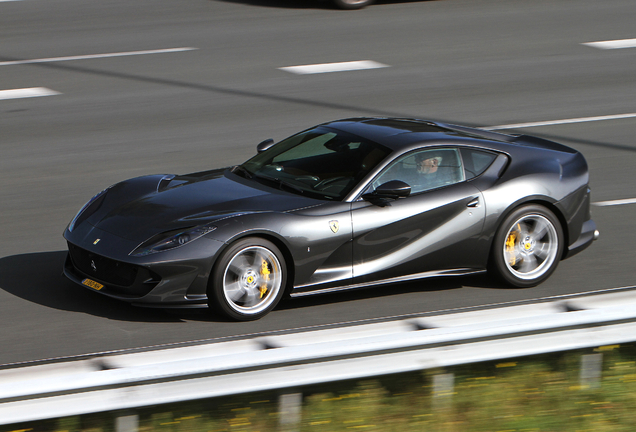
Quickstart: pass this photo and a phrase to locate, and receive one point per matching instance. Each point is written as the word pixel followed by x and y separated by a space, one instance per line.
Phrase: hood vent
pixel 165 182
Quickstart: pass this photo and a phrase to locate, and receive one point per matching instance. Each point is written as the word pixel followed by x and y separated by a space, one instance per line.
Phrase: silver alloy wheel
pixel 252 280
pixel 531 246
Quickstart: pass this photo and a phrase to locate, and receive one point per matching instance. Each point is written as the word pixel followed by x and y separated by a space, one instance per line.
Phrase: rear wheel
pixel 527 246
pixel 352 4
pixel 248 280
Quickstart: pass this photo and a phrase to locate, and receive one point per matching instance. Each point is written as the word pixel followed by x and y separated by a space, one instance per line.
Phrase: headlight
pixel 88 209
pixel 171 239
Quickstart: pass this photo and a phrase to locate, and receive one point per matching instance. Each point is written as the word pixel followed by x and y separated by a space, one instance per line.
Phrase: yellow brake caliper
pixel 510 248
pixel 264 277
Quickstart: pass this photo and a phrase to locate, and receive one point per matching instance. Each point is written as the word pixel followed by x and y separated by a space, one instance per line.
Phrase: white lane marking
pixel 96 56
pixel 613 44
pixel 334 67
pixel 27 93
pixel 615 202
pixel 558 122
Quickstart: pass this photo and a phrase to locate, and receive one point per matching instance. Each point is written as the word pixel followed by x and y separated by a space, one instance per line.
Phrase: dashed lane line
pixel 612 44
pixel 27 93
pixel 95 56
pixel 333 67
pixel 559 122
pixel 615 202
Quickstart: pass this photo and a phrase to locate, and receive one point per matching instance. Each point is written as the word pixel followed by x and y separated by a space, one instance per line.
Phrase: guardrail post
pixel 443 387
pixel 290 411
pixel 591 369
pixel 127 423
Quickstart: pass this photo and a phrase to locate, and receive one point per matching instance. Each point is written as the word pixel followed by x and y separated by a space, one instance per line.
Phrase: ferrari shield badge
pixel 334 225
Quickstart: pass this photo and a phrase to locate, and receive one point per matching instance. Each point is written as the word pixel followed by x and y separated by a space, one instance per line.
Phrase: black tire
pixel 248 280
pixel 352 4
pixel 527 247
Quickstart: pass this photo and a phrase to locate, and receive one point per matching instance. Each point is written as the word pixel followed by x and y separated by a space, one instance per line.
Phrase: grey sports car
pixel 345 204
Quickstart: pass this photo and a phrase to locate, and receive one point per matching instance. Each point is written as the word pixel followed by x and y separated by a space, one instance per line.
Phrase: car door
pixel 436 228
pixel 319 239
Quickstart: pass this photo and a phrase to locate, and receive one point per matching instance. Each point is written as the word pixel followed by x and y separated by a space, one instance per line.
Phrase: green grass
pixel 540 393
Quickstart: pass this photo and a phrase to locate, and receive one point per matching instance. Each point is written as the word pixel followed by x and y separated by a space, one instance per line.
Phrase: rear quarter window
pixel 476 161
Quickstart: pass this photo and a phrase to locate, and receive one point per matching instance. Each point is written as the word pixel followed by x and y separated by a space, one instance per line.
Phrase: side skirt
pixel 308 290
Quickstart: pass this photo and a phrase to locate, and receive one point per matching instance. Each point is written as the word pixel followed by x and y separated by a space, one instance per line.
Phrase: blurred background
pixel 120 89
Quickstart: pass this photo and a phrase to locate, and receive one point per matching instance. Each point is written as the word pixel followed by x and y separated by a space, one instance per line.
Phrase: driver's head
pixel 427 163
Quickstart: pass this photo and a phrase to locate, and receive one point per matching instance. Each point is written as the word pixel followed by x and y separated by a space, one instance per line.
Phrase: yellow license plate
pixel 92 284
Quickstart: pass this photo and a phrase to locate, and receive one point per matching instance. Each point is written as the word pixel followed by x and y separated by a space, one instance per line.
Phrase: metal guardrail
pixel 128 381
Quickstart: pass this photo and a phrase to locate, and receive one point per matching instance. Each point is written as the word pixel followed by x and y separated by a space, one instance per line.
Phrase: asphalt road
pixel 474 62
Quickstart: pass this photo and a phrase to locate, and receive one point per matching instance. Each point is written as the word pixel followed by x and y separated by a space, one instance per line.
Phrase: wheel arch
pixel 541 201
pixel 277 240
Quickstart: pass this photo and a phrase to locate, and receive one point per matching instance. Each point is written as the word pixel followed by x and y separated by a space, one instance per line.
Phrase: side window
pixel 476 161
pixel 425 169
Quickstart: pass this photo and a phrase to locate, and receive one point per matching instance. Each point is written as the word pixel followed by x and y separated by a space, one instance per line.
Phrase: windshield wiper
pixel 280 183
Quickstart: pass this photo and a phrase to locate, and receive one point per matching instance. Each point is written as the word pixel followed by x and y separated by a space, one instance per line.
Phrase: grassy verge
pixel 540 393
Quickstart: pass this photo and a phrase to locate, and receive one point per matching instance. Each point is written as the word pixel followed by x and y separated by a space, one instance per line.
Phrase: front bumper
pixel 174 282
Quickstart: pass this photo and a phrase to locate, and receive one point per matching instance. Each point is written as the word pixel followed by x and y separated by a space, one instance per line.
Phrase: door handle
pixel 474 203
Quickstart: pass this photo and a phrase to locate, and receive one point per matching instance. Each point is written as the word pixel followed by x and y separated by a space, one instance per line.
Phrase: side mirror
pixel 393 189
pixel 264 145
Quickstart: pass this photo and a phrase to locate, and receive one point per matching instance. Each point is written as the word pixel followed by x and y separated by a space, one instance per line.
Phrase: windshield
pixel 321 162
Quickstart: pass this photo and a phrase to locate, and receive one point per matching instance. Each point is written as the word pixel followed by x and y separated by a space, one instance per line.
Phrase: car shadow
pixel 37 278
pixel 304 4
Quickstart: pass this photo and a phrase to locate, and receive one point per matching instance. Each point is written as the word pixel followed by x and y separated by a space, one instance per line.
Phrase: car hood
pixel 140 208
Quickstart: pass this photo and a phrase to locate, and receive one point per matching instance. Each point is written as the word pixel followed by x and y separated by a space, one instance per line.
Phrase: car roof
pixel 400 133
pixel 397 133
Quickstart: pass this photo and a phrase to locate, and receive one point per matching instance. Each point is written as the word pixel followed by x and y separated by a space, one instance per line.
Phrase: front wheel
pixel 248 280
pixel 527 246
pixel 352 4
